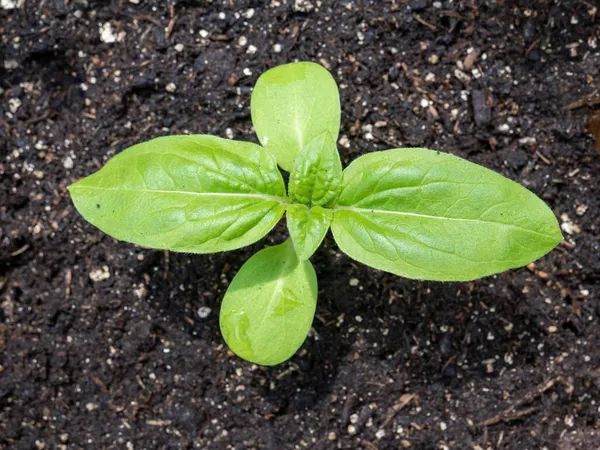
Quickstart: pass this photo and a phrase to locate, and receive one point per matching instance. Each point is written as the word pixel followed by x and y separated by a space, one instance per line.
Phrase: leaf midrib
pixel 427 216
pixel 199 194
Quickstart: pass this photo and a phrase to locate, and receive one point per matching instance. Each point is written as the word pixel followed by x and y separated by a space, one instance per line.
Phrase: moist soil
pixel 101 342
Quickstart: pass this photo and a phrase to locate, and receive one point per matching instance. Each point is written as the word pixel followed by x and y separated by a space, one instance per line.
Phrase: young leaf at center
pixel 307 227
pixel 316 178
pixel 269 306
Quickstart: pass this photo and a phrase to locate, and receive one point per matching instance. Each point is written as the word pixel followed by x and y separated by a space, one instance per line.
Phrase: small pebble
pixel 247 72
pixel 171 87
pixel 249 14
pixel 204 312
pixel 251 49
pixel 100 274
pixel 242 41
pixel 203 33
pixel 380 434
pixel 8 4
pixel 277 48
pixel 443 426
pixel 353 282
pixel 481 108
pixel 179 48
pixel 68 163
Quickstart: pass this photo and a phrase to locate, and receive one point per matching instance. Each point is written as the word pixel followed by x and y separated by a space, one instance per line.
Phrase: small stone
pixel 14 104
pixel 91 406
pixel 100 274
pixel 204 312
pixel 380 124
pixel 251 50
pixel 179 48
pixel 68 163
pixel 331 436
pixel 11 64
pixel 552 329
pixel 8 4
pixel 433 59
pixel 424 103
pixel 353 282
pixel 277 48
pixel 344 141
pixel 222 16
pixel 108 35
pixel 203 34
pixel 443 426
pixel 481 108
pixel 351 429
pixel 171 87
pixel 242 41
pixel 380 434
pixel 581 209
pixel 247 72
pixel 249 14
pixel 303 6
pixel 140 291
pixel 430 77
pixel 64 438
pixel 568 226
pixel 39 174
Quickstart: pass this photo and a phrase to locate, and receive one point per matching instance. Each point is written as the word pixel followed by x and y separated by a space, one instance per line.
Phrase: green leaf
pixel 428 215
pixel 316 178
pixel 269 306
pixel 197 194
pixel 307 228
pixel 291 105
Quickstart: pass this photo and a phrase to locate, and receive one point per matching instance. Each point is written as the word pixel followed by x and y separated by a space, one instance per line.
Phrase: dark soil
pixel 125 361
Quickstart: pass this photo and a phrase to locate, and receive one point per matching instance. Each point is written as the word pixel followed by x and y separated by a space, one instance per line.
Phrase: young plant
pixel 417 213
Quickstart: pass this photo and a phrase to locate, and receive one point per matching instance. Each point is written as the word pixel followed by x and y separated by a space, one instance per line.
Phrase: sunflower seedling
pixel 414 212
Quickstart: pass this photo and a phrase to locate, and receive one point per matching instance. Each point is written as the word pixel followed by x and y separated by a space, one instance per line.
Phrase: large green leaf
pixel 198 194
pixel 291 105
pixel 316 178
pixel 307 227
pixel 269 306
pixel 428 215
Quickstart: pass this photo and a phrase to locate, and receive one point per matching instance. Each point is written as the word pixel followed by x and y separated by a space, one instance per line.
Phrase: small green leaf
pixel 307 228
pixel 197 194
pixel 291 105
pixel 269 306
pixel 429 215
pixel 316 178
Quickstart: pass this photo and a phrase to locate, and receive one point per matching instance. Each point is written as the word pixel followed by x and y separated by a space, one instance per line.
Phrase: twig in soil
pixel 394 410
pixel 68 278
pixel 424 22
pixel 510 414
pixel 166 265
pixel 587 100
pixel 508 417
pixel 543 158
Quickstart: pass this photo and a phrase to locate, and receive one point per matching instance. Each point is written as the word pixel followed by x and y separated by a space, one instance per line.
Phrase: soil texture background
pixel 105 345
